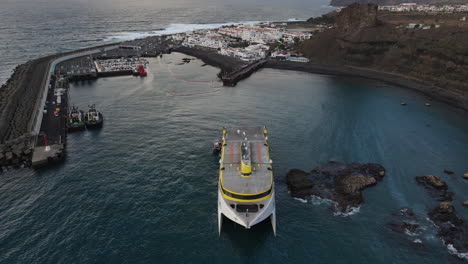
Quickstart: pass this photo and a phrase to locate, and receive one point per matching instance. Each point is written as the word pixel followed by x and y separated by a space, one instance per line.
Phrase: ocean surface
pixel 143 189
pixel 31 29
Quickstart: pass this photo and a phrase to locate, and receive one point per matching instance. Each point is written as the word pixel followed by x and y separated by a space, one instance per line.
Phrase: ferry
pixel 246 189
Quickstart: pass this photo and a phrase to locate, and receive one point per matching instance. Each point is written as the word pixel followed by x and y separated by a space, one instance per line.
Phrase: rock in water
pixel 436 187
pixel 404 225
pixel 299 184
pixel 465 176
pixel 452 229
pixel 336 181
pixel 448 172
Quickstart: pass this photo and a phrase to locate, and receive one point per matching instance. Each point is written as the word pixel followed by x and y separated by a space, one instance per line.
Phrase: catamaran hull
pixel 246 219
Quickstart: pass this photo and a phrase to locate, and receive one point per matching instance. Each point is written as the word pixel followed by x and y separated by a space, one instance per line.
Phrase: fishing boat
pixel 75 120
pixel 246 193
pixel 93 118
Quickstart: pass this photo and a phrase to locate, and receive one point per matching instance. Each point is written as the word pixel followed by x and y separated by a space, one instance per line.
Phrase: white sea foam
pixel 300 200
pixel 172 29
pixel 454 251
pixel 409 233
pixel 294 20
pixel 417 241
pixel 348 212
pixel 318 200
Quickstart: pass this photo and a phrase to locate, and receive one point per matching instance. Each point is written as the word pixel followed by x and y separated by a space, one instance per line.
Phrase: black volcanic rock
pixel 452 229
pixel 406 227
pixel 336 181
pixel 299 183
pixel 404 220
pixel 450 172
pixel 436 187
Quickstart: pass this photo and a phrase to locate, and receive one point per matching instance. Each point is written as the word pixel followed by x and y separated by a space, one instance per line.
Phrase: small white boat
pixel 246 192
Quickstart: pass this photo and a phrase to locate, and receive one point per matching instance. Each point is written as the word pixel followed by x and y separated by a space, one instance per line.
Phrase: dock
pixel 232 78
pixel 50 143
pixel 81 68
pixel 118 67
pixel 49 124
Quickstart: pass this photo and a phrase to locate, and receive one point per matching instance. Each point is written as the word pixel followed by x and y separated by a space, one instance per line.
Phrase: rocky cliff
pixel 364 38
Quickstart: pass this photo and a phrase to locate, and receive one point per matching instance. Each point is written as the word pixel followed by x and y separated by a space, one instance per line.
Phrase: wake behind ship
pixel 245 189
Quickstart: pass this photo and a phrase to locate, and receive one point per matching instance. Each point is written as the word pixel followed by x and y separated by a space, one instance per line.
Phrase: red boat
pixel 141 70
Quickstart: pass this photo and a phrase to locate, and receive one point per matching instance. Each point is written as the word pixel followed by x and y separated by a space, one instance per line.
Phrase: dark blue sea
pixel 143 188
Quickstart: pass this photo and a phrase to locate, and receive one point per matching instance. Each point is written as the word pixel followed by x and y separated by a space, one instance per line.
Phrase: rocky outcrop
pixel 452 229
pixel 449 172
pixel 336 181
pixel 405 225
pixel 364 38
pixel 436 187
pixel 361 16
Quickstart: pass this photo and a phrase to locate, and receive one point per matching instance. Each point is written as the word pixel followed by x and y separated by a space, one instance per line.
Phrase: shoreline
pixel 433 92
pixel 20 94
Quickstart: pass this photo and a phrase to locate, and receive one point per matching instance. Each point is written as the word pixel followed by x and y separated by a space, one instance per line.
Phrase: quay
pixel 50 119
pixel 49 129
pixel 77 69
pixel 232 78
pixel 50 143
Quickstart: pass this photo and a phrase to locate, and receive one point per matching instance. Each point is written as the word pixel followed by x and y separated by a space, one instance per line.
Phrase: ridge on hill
pixel 363 37
pixel 397 2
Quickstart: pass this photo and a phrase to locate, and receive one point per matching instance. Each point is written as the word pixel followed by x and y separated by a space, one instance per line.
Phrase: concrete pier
pixel 234 77
pixel 44 156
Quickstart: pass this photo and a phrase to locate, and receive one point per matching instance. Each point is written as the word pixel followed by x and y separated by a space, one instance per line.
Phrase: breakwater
pixel 23 104
pixel 232 78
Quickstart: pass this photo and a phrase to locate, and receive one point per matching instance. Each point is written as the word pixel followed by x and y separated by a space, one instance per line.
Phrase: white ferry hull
pixel 247 219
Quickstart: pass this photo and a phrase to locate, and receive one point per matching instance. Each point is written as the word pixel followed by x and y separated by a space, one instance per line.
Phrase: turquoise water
pixel 143 188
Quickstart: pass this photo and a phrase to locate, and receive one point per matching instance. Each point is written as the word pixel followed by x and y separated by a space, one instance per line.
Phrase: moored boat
pixel 93 118
pixel 75 120
pixel 246 188
pixel 141 70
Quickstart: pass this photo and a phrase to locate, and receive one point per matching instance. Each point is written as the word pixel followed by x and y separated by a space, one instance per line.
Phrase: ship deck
pixel 262 178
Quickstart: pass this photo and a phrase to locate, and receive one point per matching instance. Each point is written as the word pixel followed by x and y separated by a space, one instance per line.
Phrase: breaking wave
pixel 452 250
pixel 348 212
pixel 300 200
pixel 171 29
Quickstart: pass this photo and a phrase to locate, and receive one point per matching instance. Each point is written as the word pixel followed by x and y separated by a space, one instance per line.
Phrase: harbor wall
pixel 22 100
